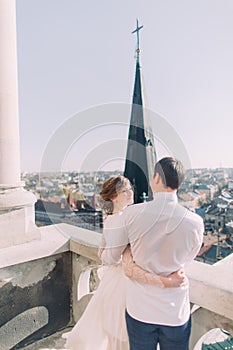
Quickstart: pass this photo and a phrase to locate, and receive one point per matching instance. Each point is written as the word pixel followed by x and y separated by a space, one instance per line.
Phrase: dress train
pixel 103 326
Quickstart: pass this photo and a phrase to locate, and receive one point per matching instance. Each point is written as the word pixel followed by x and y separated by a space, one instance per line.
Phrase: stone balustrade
pixel 39 286
pixel 211 288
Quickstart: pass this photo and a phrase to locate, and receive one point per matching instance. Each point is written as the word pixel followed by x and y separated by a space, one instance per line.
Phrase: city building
pixel 40 268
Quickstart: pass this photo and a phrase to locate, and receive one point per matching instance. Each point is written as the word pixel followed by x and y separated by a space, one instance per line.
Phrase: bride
pixel 102 326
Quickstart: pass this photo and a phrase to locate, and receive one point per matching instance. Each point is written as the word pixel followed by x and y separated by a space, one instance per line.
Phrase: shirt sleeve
pixel 116 239
pixel 197 239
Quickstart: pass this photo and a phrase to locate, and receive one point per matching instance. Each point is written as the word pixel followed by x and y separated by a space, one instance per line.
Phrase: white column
pixel 9 125
pixel 16 205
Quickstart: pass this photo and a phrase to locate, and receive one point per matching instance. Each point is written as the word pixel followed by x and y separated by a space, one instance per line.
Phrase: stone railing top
pixel 211 286
pixel 84 242
pixel 54 239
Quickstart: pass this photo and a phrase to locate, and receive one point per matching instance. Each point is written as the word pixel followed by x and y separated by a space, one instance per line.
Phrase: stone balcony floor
pixel 53 342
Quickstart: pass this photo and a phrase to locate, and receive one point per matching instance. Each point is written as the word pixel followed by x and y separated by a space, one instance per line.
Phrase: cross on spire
pixel 137 31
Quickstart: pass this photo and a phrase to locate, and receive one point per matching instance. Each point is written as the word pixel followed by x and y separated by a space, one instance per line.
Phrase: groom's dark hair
pixel 171 171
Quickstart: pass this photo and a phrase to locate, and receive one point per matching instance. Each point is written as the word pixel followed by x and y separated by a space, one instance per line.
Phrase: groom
pixel 164 236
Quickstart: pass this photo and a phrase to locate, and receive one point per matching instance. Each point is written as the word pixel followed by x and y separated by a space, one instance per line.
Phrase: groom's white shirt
pixel 164 237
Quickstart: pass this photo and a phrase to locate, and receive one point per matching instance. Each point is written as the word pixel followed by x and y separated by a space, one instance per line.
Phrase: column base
pixel 17 216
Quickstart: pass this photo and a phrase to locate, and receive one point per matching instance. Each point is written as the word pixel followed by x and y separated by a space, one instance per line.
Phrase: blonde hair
pixel 110 190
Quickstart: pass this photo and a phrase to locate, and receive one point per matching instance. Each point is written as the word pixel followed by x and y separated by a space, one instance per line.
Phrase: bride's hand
pixel 175 279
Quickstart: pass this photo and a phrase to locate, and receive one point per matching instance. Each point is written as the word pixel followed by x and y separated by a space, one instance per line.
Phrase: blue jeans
pixel 146 336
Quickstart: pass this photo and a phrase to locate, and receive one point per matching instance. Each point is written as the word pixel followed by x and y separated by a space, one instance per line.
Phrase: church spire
pixel 141 156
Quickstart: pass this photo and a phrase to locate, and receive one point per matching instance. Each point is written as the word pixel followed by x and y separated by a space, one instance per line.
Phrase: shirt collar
pixel 169 196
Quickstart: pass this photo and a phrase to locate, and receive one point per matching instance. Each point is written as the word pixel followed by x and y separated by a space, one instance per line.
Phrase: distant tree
pixel 201 202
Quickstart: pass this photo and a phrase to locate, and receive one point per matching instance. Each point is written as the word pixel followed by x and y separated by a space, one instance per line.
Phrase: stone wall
pixel 35 299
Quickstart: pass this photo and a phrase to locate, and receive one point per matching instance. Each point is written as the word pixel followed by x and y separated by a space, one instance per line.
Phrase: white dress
pixel 103 326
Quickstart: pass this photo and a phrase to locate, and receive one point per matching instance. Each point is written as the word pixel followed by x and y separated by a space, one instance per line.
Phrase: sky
pixel 76 59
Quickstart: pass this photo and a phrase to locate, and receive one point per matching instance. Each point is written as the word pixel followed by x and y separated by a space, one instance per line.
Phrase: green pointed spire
pixel 141 155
